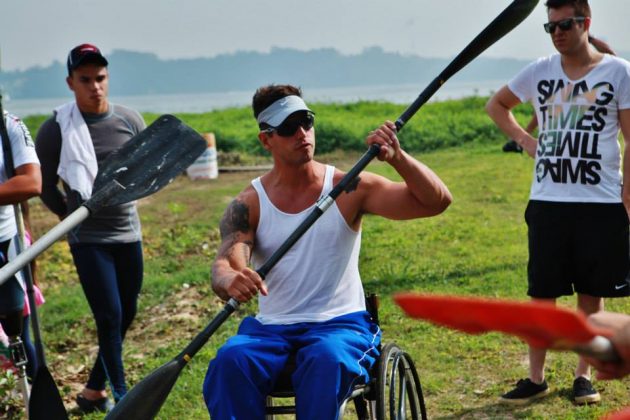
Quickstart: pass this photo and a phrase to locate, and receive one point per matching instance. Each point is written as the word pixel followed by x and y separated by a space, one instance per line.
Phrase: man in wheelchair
pixel 311 303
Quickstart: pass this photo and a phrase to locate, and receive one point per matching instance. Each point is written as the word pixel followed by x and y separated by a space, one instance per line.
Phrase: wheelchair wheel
pixel 398 387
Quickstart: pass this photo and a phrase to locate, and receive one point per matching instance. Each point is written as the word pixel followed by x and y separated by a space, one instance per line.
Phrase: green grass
pixel 344 126
pixel 477 247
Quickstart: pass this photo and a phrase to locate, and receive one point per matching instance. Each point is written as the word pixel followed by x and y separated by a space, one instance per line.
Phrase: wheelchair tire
pixel 399 393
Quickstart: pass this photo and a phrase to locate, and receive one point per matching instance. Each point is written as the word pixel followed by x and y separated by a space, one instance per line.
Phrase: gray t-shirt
pixel 109 131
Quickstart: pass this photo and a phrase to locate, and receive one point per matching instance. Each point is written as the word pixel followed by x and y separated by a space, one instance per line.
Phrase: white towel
pixel 77 161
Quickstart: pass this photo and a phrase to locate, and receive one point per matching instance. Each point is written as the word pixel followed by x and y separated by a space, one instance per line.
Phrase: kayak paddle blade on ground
pixel 146 398
pixel 540 324
pixel 45 402
pixel 143 165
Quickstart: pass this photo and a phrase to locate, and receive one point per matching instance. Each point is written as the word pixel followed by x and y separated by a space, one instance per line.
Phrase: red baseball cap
pixel 85 53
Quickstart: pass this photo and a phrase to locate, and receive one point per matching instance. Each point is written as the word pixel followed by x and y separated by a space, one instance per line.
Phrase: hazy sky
pixel 37 32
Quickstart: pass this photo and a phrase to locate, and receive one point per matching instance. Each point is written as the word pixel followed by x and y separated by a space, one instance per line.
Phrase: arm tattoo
pixel 235 222
pixel 236 250
pixel 235 219
pixel 352 186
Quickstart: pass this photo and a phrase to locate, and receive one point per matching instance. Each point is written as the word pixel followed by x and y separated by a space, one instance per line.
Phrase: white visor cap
pixel 278 111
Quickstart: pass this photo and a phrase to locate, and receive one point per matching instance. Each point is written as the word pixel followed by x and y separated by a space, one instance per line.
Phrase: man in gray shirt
pixel 106 248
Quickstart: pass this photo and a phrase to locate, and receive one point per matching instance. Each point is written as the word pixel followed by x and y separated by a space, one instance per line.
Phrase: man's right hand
pixel 619 324
pixel 529 144
pixel 245 285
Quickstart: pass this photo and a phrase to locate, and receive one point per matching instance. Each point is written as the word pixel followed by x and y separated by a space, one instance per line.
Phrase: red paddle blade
pixel 623 414
pixel 540 324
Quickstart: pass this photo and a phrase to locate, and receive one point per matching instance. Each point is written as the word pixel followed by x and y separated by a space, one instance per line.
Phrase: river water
pixel 203 102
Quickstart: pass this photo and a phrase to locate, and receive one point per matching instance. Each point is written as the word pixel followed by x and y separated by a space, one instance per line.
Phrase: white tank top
pixel 318 278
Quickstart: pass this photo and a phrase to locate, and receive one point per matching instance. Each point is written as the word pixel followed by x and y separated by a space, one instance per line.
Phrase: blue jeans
pixel 331 357
pixel 111 277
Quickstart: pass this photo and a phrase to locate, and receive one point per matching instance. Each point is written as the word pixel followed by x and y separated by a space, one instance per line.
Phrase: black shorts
pixel 577 247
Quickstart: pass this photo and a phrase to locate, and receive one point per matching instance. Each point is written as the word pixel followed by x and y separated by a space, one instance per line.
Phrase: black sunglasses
pixel 291 125
pixel 564 24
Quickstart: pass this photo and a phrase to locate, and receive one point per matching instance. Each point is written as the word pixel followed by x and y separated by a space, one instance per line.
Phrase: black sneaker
pixel 525 392
pixel 512 146
pixel 103 405
pixel 583 392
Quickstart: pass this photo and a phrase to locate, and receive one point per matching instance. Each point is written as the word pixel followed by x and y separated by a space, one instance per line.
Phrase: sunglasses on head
pixel 564 24
pixel 291 125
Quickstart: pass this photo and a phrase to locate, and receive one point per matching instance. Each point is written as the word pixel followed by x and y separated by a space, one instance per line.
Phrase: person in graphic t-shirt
pixel 511 145
pixel 577 215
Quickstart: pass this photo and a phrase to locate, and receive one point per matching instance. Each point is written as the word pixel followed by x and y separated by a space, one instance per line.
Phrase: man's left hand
pixel 385 136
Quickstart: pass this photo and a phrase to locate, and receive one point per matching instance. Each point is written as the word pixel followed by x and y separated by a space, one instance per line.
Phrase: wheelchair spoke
pixel 393 382
pixel 399 393
pixel 402 395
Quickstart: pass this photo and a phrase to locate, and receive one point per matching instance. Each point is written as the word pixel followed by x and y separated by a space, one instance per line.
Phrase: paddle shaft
pixel 511 16
pixel 30 291
pixel 51 405
pixel 600 348
pixel 506 21
pixel 321 206
pixel 135 400
pixel 58 231
pixel 142 166
pixel 9 167
pixel 502 24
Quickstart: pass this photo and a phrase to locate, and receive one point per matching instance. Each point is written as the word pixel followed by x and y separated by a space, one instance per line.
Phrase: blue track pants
pixel 111 277
pixel 331 357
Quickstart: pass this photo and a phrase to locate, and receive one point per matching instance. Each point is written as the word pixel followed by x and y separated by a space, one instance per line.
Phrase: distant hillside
pixel 134 73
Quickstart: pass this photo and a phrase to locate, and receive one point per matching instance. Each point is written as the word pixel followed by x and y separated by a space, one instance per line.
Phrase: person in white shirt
pixel 577 215
pixel 26 183
pixel 311 303
pixel 601 46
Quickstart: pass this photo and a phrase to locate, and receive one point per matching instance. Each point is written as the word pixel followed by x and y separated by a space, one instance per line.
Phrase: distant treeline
pixel 344 126
pixel 135 73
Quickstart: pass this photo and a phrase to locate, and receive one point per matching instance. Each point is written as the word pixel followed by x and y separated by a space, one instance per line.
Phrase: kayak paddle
pixel 142 166
pixel 146 398
pixel 145 164
pixel 540 324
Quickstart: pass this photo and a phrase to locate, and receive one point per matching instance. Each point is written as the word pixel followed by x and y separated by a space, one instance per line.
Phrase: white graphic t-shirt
pixel 578 156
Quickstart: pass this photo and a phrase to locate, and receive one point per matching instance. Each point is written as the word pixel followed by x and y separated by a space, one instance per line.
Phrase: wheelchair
pixel 393 391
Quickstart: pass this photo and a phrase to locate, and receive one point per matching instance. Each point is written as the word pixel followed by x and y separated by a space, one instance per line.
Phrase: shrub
pixel 344 126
